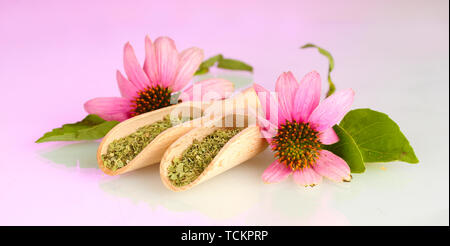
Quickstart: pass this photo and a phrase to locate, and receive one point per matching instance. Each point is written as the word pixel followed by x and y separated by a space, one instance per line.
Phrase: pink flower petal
pixel 109 108
pixel 268 103
pixel 267 129
pixel 331 110
pixel 127 89
pixel 267 135
pixel 276 172
pixel 332 167
pixel 286 86
pixel 307 96
pixel 150 64
pixel 206 90
pixel 307 177
pixel 328 136
pixel 167 60
pixel 190 60
pixel 133 70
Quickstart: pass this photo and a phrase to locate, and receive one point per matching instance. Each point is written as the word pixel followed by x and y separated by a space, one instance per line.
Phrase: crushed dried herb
pixel 121 151
pixel 197 157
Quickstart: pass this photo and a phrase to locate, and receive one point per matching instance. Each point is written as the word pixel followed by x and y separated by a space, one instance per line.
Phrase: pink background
pixel 55 55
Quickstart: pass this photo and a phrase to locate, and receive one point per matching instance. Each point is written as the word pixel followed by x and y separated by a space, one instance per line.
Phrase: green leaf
pixel 348 150
pixel 378 137
pixel 204 66
pixel 332 87
pixel 224 63
pixel 211 61
pixel 201 70
pixel 90 128
pixel 234 65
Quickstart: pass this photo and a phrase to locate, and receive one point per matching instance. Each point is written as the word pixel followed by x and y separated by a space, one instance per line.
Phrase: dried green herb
pixel 197 157
pixel 121 151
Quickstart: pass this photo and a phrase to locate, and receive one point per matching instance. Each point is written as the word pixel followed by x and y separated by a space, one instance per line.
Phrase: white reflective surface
pixel 394 54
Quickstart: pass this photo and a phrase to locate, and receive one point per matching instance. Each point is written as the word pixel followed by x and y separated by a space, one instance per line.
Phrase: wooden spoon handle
pixel 239 104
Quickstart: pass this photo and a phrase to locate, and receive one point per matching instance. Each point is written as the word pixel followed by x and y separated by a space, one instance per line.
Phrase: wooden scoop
pixel 154 151
pixel 237 150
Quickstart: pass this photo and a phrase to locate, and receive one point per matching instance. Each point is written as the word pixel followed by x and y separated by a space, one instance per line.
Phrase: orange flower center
pixel 152 98
pixel 296 145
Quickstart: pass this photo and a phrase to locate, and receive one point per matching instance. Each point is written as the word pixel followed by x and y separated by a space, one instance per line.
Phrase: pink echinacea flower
pixel 165 72
pixel 299 129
